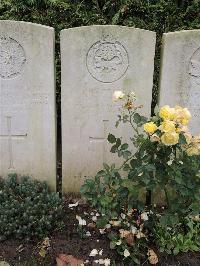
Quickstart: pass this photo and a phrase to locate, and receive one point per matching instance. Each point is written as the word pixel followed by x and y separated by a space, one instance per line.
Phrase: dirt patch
pixel 67 239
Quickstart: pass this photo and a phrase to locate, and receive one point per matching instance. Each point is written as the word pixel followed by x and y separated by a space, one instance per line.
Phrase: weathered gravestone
pixel 96 61
pixel 27 101
pixel 180 73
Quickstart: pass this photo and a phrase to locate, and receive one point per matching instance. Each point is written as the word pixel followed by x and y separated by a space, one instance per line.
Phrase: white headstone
pixel 96 61
pixel 27 101
pixel 180 73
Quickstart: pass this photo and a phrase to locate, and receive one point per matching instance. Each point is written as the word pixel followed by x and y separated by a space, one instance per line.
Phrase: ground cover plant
pixel 166 159
pixel 27 208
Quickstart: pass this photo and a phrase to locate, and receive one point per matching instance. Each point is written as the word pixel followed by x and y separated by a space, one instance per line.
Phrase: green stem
pixel 125 162
pixel 167 197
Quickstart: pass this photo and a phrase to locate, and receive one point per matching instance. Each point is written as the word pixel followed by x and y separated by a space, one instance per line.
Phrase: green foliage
pixel 181 238
pixel 27 208
pixel 109 193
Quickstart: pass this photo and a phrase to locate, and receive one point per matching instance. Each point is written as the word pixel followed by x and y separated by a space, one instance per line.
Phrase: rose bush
pixel 161 158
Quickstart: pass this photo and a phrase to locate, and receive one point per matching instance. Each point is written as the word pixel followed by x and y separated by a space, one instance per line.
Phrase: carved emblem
pixel 194 66
pixel 12 57
pixel 107 60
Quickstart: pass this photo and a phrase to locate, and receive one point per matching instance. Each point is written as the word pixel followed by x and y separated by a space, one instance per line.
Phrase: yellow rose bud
pixel 193 151
pixel 166 113
pixel 167 126
pixel 150 127
pixel 170 138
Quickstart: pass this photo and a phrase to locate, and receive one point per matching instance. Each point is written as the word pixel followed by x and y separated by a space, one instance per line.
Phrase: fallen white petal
pixel 88 233
pixel 126 253
pixel 101 252
pixel 94 218
pixel 107 262
pixel 73 205
pixel 93 253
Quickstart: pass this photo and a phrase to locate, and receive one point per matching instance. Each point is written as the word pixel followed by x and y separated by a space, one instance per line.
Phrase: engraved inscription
pixel 9 136
pixel 12 57
pixel 107 60
pixel 28 99
pixel 194 66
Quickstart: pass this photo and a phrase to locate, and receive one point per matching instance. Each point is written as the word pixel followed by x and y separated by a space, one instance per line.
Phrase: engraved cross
pixel 102 139
pixel 9 136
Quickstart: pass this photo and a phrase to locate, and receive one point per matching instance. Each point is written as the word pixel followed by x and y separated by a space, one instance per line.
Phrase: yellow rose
pixel 118 95
pixel 166 112
pixel 170 138
pixel 150 127
pixel 182 115
pixel 167 126
pixel 193 151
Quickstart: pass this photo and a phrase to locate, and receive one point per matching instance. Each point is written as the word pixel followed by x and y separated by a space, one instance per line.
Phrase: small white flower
pixel 118 95
pixel 126 253
pixel 73 205
pixel 93 253
pixel 92 213
pixel 140 174
pixel 88 233
pixel 97 240
pixel 97 214
pixel 180 162
pixel 87 261
pixel 144 216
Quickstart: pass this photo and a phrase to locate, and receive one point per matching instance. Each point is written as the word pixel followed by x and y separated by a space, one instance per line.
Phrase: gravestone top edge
pixel 180 33
pixel 106 26
pixel 25 23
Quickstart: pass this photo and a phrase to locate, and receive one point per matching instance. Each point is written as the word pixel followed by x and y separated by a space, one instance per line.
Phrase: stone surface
pixel 96 61
pixel 180 73
pixel 27 101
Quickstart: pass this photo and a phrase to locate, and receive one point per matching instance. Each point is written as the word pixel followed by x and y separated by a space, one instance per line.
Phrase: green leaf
pixel 124 146
pixel 106 166
pixel 111 138
pixel 118 142
pixel 101 222
pixel 137 118
pixel 114 149
pixel 182 139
